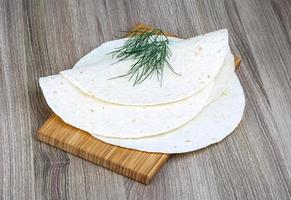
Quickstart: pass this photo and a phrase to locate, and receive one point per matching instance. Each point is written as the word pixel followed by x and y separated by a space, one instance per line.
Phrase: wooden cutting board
pixel 137 165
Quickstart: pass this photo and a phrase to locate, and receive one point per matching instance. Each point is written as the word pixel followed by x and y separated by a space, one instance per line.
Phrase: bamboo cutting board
pixel 137 165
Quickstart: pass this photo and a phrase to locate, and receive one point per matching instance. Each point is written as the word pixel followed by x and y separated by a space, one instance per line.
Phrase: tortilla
pixel 92 115
pixel 197 60
pixel 99 117
pixel 112 120
pixel 210 126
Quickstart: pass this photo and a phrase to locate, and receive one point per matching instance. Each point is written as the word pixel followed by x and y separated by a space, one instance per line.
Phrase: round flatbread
pixel 92 115
pixel 210 126
pixel 197 61
pixel 112 120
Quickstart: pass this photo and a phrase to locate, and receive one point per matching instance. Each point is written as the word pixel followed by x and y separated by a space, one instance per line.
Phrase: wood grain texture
pixel 137 165
pixel 43 37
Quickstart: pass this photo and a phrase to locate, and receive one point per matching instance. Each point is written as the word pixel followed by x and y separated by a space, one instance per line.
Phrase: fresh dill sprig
pixel 150 52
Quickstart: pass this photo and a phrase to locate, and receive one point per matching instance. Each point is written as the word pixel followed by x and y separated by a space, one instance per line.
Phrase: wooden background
pixel 39 38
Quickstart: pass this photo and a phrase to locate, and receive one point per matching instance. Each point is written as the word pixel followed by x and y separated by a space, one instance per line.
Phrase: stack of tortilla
pixel 199 105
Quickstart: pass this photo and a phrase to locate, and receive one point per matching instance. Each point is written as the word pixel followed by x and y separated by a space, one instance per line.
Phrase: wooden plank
pixel 16 143
pixel 138 165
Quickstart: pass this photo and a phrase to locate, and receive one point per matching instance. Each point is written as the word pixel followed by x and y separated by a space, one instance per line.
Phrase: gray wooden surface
pixel 43 37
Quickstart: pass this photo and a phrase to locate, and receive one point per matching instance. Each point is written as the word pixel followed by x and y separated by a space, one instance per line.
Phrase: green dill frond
pixel 150 52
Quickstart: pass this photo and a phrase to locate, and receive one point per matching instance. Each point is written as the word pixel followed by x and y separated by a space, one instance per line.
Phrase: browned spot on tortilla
pixel 237 61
